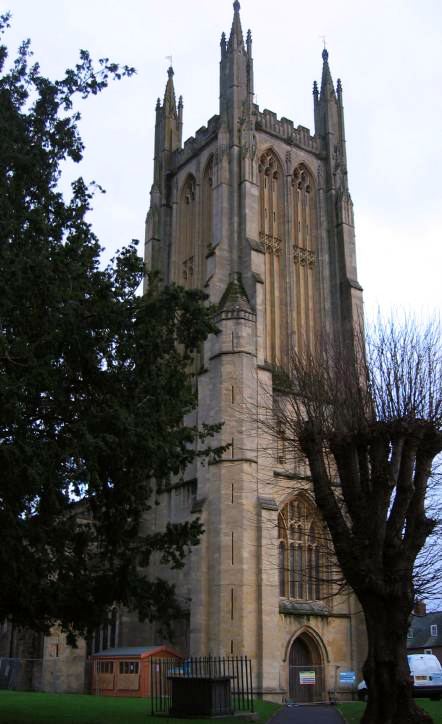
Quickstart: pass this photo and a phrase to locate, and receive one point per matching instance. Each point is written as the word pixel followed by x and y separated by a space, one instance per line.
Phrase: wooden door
pixel 306 671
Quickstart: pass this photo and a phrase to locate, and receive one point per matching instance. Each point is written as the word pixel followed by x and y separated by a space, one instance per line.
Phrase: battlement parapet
pixel 193 144
pixel 284 128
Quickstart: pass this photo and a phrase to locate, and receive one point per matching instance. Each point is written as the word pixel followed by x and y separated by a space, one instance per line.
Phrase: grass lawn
pixel 35 708
pixel 352 712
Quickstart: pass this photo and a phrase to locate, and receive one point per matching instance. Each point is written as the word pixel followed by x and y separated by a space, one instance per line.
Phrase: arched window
pixel 113 628
pixel 271 234
pixel 303 551
pixel 304 255
pixel 106 636
pixel 186 242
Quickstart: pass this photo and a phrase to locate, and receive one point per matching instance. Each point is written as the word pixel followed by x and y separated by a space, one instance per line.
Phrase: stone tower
pixel 258 213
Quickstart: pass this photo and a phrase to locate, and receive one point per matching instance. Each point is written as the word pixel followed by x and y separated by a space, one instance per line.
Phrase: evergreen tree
pixel 94 381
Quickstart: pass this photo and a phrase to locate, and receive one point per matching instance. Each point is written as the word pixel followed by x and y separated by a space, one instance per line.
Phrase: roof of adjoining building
pixel 421 628
pixel 133 651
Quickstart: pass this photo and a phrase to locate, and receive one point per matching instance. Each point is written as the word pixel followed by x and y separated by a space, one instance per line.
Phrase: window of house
pixel 433 629
pixel 129 667
pixel 428 651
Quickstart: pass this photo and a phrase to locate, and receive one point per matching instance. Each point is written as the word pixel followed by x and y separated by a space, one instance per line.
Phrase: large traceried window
pixel 303 552
pixel 305 244
pixel 186 262
pixel 271 234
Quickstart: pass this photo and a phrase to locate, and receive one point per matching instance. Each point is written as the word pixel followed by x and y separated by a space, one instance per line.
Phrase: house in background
pixel 425 632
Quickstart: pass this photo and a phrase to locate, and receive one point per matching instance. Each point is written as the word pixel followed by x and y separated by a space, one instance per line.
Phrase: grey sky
pixel 387 54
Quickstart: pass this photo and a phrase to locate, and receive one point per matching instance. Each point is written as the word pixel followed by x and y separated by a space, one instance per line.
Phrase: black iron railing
pixel 234 672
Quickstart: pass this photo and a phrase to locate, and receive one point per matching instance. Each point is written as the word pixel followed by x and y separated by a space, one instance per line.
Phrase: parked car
pixel 426 674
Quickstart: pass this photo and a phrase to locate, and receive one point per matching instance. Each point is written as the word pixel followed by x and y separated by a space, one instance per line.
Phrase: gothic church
pixel 257 212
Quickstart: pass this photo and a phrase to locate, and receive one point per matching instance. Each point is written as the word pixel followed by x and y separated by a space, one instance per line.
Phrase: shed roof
pixel 134 651
pixel 421 629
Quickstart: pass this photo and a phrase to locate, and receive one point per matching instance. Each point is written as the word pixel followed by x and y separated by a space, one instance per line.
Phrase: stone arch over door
pixel 305 657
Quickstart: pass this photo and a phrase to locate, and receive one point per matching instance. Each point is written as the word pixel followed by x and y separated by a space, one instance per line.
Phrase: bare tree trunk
pixel 386 670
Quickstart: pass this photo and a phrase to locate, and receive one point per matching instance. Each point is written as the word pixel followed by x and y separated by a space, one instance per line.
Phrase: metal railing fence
pixel 236 668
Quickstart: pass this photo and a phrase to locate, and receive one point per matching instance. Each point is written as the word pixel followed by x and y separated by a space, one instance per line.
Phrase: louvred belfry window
pixel 206 221
pixel 185 273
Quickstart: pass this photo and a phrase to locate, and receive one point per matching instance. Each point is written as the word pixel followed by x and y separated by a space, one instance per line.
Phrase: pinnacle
pixel 169 102
pixel 326 80
pixel 236 39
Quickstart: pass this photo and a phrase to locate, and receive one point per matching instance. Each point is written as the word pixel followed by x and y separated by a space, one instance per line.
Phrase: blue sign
pixel 347 677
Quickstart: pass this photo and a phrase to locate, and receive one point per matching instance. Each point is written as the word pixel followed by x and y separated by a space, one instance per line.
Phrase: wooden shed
pixel 126 671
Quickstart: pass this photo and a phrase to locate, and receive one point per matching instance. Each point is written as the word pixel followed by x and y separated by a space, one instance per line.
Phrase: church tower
pixel 258 213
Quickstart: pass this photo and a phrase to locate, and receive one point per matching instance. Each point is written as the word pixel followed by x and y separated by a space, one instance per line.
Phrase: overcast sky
pixel 388 54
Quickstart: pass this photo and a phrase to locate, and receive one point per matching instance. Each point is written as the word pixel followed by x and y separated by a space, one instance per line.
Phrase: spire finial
pixel 236 6
pixel 170 72
pixel 327 87
pixel 315 89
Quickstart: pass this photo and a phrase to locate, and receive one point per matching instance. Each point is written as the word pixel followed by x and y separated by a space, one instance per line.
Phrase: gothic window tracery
pixel 303 552
pixel 271 234
pixel 304 255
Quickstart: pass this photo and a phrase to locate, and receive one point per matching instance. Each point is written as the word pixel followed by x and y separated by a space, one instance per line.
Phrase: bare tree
pixel 369 423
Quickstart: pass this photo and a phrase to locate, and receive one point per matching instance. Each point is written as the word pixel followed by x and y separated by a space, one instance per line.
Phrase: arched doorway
pixel 306 672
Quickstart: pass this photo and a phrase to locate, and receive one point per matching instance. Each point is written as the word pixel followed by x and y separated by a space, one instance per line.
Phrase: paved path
pixel 298 714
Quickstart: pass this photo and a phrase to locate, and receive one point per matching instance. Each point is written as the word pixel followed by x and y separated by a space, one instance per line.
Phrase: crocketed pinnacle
pixel 236 39
pixel 327 87
pixel 169 103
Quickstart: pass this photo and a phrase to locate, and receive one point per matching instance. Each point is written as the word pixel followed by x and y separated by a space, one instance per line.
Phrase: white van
pixel 426 672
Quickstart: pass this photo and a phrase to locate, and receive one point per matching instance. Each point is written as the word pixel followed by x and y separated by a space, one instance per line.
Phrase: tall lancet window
pixel 304 256
pixel 271 234
pixel 206 220
pixel 186 243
